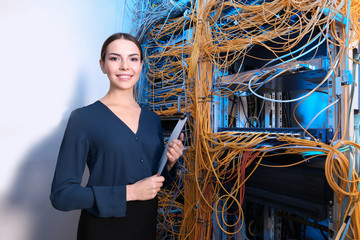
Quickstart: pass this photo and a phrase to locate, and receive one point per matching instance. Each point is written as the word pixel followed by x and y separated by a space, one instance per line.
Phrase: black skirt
pixel 139 223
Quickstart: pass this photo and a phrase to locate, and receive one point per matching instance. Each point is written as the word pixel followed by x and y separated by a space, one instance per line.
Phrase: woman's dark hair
pixel 117 36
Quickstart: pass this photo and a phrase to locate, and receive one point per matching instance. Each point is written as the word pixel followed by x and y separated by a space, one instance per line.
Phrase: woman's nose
pixel 123 65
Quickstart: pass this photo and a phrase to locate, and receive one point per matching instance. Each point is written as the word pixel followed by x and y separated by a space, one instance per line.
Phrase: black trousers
pixel 139 223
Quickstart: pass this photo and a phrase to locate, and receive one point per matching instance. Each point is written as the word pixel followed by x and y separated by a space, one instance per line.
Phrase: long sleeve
pixel 67 192
pixel 116 156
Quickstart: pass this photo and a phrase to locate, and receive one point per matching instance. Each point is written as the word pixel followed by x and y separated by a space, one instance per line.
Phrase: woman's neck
pixel 117 97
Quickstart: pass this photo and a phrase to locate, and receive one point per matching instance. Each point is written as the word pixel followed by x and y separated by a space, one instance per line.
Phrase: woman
pixel 121 143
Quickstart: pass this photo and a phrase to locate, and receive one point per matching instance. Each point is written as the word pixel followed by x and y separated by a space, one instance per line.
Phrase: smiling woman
pixel 121 60
pixel 122 64
pixel 121 143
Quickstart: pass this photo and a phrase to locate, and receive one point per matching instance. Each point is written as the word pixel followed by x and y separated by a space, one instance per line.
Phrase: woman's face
pixel 122 64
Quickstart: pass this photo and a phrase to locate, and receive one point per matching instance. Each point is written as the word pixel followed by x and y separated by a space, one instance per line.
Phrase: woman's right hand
pixel 144 189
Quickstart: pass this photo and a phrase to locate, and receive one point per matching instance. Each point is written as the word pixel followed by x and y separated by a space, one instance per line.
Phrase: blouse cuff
pixel 110 201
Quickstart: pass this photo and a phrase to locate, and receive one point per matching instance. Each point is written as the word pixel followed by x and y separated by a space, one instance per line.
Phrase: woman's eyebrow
pixel 130 55
pixel 116 54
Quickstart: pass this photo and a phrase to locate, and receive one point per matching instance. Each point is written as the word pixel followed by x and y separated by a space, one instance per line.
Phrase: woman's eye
pixel 134 59
pixel 113 58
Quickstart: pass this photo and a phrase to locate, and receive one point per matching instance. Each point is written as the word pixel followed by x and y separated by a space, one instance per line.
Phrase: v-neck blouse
pixel 114 154
pixel 119 119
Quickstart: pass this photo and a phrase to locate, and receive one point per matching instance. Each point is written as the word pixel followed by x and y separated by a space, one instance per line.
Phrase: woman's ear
pixel 102 66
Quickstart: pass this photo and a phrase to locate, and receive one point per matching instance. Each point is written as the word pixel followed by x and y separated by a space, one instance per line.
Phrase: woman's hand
pixel 144 189
pixel 174 151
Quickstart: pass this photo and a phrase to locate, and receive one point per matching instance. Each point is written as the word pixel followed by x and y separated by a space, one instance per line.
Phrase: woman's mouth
pixel 124 77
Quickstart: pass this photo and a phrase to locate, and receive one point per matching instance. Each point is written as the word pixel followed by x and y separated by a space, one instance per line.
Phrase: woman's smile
pixel 124 76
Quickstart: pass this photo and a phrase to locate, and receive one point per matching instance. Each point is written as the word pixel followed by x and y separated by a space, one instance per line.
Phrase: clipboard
pixel 174 135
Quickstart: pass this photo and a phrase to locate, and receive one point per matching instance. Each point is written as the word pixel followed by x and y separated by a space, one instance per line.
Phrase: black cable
pixel 245 114
pixel 230 114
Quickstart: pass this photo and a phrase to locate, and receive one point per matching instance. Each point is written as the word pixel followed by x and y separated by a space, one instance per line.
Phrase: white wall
pixel 49 53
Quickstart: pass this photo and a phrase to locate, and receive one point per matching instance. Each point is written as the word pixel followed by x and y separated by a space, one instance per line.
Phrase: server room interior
pixel 271 88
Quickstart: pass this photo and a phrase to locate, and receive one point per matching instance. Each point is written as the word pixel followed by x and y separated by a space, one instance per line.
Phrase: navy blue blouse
pixel 115 155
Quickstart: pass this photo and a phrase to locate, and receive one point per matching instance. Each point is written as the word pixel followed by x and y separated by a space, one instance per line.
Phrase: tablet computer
pixel 175 134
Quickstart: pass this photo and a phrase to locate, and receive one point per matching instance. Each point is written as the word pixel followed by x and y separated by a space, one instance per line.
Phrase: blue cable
pixel 346 229
pixel 317 45
pixel 297 50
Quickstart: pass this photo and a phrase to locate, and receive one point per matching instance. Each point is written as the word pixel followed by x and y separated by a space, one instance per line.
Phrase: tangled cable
pixel 189 47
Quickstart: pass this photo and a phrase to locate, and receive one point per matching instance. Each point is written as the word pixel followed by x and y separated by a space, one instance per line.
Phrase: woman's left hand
pixel 174 151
